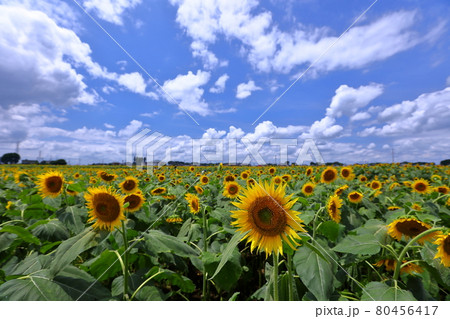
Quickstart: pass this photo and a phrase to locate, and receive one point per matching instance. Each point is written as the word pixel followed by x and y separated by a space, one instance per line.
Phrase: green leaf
pixel 22 233
pixel 228 251
pixel 31 264
pixel 150 293
pixel 234 297
pixel 175 279
pixel 76 187
pixel 428 252
pixel 379 291
pixel 71 248
pixel 316 273
pixel 32 288
pixel 358 244
pixel 159 242
pixel 329 229
pixel 52 230
pixel 78 284
pixel 73 218
pixel 53 202
pixel 227 277
pixel 107 265
pixel 6 240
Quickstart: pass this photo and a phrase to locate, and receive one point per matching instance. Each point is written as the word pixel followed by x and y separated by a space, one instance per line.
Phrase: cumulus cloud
pixel 130 129
pixel 244 90
pixel 348 100
pixel 268 48
pixel 428 112
pixel 187 92
pixel 110 10
pixel 219 86
pixel 43 69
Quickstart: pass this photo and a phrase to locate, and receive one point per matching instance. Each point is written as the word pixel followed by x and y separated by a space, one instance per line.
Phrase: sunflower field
pixel 361 232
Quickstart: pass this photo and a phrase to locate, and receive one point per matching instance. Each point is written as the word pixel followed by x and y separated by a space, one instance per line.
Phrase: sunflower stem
pixel 290 277
pixel 205 249
pixel 125 262
pixel 408 245
pixel 275 277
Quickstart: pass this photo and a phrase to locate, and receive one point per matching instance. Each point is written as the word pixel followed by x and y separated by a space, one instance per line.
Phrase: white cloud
pixel 324 129
pixel 135 83
pixel 130 129
pixel 348 100
pixel 151 114
pixel 109 126
pixel 428 112
pixel 360 116
pixel 110 10
pixel 244 90
pixel 187 92
pixel 269 49
pixel 199 49
pixel 219 86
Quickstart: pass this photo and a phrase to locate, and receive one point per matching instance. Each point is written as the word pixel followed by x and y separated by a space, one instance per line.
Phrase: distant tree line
pixel 14 158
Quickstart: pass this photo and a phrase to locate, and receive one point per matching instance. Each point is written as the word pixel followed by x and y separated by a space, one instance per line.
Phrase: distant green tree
pixel 59 162
pixel 445 162
pixel 10 158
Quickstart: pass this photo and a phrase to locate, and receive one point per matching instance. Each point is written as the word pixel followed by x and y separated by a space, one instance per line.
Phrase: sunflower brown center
pixel 134 201
pixel 53 184
pixel 267 215
pixel 354 196
pixel 447 245
pixel 107 207
pixel 194 204
pixel 329 175
pixel 421 187
pixel 129 185
pixel 107 177
pixel 410 228
pixel 308 189
pixel 332 208
pixel 232 189
pixel 345 172
pixel 158 190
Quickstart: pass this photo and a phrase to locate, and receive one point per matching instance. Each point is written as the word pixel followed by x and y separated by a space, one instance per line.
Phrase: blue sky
pixel 210 69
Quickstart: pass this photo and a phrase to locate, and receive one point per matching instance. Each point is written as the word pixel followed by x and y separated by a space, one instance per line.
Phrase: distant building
pixel 25 161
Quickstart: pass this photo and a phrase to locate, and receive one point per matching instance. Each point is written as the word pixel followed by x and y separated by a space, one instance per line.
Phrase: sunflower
pixel 231 190
pixel 136 201
pixel 375 184
pixel 393 208
pixel 106 177
pixel 277 180
pixel 129 185
pixel 443 251
pixel 416 206
pixel 161 177
pixel 329 175
pixel 272 170
pixel 286 177
pixel 51 184
pixel 193 203
pixel 251 182
pixel 229 178
pixel 204 179
pixel 409 227
pixel 333 206
pixel 105 206
pixel 410 268
pixel 174 219
pixel 308 188
pixel 362 178
pixel 158 191
pixel 244 175
pixel 421 186
pixel 265 214
pixel 309 171
pixel 393 185
pixel 355 197
pixel 76 175
pixel 389 264
pixel 442 189
pixel 8 205
pixel 171 197
pixel 199 189
pixel 340 190
pixel 347 173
